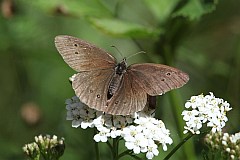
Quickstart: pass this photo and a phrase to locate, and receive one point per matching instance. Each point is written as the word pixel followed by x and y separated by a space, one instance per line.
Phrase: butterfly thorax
pixel 120 69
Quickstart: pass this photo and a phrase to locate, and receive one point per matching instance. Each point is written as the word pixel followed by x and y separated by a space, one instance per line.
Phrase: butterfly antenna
pixel 118 50
pixel 135 54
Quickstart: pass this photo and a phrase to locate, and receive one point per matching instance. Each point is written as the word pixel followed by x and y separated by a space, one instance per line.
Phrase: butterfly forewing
pixel 91 87
pixel 157 79
pixel 83 56
pixel 129 97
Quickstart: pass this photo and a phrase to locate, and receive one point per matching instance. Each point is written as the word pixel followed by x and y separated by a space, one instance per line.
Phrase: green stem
pixel 97 151
pixel 117 144
pixel 175 101
pixel 127 152
pixel 213 156
pixel 96 147
pixel 115 149
pixel 109 145
pixel 178 146
pixel 136 157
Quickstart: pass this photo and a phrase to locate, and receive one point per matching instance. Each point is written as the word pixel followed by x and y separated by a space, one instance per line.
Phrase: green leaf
pixel 120 28
pixel 194 9
pixel 161 9
pixel 74 8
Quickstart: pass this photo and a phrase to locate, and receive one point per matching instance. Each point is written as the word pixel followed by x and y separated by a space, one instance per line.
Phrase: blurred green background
pixel 201 37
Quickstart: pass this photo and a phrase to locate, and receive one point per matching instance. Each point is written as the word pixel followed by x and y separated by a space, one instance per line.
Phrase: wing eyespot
pixel 75 45
pixel 91 91
pixel 163 80
pixel 168 73
pixel 116 102
pixel 76 52
pixel 98 96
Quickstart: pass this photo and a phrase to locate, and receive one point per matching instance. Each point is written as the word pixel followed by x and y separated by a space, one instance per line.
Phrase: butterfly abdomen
pixel 120 69
pixel 114 85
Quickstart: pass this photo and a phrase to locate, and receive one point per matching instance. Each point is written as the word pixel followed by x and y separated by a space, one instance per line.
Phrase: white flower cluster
pixel 141 132
pixel 231 145
pixel 205 109
pixel 31 148
pixel 224 143
pixel 235 138
pixel 45 146
pixel 80 114
pixel 143 136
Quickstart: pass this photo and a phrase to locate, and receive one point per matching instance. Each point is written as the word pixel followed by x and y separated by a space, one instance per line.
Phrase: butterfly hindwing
pixel 157 79
pixel 129 97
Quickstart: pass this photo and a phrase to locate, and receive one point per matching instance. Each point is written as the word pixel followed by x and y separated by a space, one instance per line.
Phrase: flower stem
pixel 109 145
pixel 130 153
pixel 188 149
pixel 115 149
pixel 127 152
pixel 135 157
pixel 178 146
pixel 97 151
pixel 96 147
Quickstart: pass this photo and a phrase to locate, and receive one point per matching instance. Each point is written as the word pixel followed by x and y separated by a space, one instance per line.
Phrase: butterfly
pixel 111 87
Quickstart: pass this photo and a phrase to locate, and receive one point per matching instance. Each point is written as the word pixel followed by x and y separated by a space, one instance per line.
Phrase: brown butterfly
pixel 111 87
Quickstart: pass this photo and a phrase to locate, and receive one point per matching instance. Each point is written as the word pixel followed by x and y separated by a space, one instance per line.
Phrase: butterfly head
pixel 121 67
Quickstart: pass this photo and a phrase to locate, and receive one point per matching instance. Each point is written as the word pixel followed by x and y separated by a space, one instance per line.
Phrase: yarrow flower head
pixel 227 144
pixel 79 113
pixel 142 133
pixel 145 135
pixel 205 109
pixel 45 146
